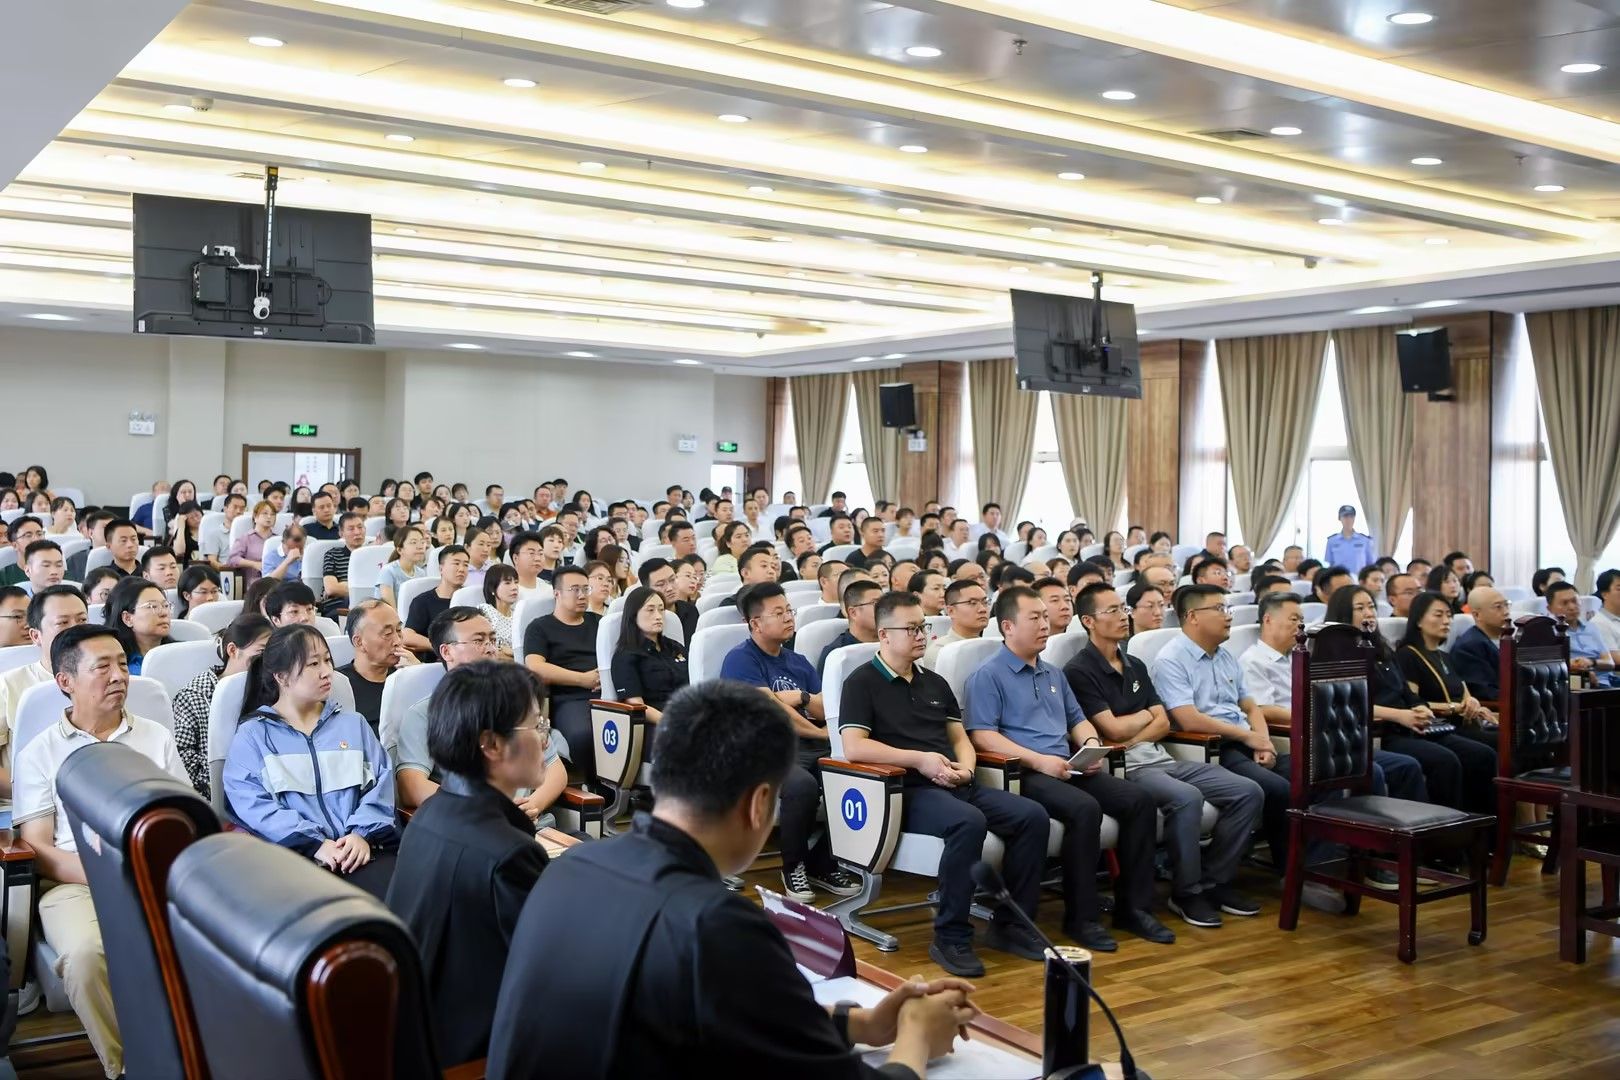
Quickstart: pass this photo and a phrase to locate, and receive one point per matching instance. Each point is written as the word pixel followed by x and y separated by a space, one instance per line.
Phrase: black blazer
pixel 465 867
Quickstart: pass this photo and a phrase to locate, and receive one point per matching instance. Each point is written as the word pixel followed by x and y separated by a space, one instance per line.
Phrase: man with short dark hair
pixel 13 616
pixel 52 610
pixel 1059 604
pixel 838 504
pixel 990 519
pixel 827 578
pixel 1021 706
pixel 873 533
pixel 1607 617
pixel 1589 652
pixel 1215 545
pixel 160 567
pixel 896 712
pixel 842 527
pixel 425 607
pixel 859 607
pixel 1293 555
pixel 1117 695
pixel 968 605
pixel 24 531
pixel 1459 563
pixel 1241 559
pixel 43 566
pixel 1329 580
pixel 351 529
pixel 561 649
pixel 683 539
pixel 494 498
pixel 1213 571
pixel 324 507
pixel 794 684
pixel 1419 568
pixel 1371 577
pixel 125 543
pixel 1085 573
pixel 92 526
pixel 1401 590
pixel 1267 583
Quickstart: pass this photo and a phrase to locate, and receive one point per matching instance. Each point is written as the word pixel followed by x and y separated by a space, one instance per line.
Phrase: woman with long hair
pixel 1426 665
pixel 199 585
pixel 624 572
pixel 1068 545
pixel 396 515
pixel 732 539
pixel 1443 580
pixel 180 493
pixel 406 562
pixel 500 601
pixel 140 615
pixel 247 554
pixel 306 773
pixel 648 666
pixel 63 516
pixel 1459 771
pixel 239 643
pixel 303 502
pixel 1114 548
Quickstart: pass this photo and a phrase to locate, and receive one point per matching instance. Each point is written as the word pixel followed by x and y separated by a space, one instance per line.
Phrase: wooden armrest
pixel 1279 727
pixel 405 812
pixel 13 848
pixel 577 796
pixel 990 757
pixel 618 707
pixel 1192 738
pixel 467 1070
pixel 866 767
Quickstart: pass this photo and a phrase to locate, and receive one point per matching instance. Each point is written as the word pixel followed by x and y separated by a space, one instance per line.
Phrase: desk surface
pixel 998 1033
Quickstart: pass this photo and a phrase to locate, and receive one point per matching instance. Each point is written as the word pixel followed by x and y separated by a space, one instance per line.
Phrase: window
pixel 965 497
pixel 850 475
pixel 1046 496
pixel 786 474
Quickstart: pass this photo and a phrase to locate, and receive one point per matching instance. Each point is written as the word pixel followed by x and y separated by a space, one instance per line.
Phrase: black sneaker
pixel 1231 901
pixel 1093 935
pixel 735 883
pixel 1379 878
pixel 1195 909
pixel 838 881
pixel 956 957
pixel 1013 938
pixel 1144 925
pixel 796 883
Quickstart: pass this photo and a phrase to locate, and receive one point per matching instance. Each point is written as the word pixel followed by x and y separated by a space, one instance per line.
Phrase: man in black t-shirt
pixel 561 649
pixel 453 565
pixel 897 713
pixel 379 648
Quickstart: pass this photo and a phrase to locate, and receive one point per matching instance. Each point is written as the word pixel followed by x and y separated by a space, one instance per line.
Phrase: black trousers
pixel 375 875
pixel 961 817
pixel 1460 768
pixel 1079 804
pixel 800 800
pixel 572 717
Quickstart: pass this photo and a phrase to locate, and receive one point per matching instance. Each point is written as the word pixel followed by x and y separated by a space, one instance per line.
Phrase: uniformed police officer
pixel 1348 548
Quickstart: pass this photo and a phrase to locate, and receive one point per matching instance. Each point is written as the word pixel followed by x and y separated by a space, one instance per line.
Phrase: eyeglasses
pixel 1117 609
pixel 543 729
pixel 1219 609
pixel 16 617
pixel 917 630
pixel 154 606
pixel 869 603
pixel 981 602
pixel 576 590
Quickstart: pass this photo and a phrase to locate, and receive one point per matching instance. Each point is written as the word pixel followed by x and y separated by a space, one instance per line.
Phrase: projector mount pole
pixel 1097 336
pixel 272 176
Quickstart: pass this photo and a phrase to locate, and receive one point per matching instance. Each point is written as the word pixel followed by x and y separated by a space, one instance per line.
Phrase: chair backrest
pixel 341 648
pixel 71 545
pixel 294 972
pixel 410 590
pixel 149 698
pixel 708 649
pixel 1460 625
pixel 375 526
pixel 840 551
pixel 1044 553
pixel 131 820
pixel 13 657
pixel 938 625
pixel 313 568
pixel 813 613
pixel 403 688
pixel 607 643
pixel 96 559
pixel 704 528
pixel 38 708
pixel 1330 733
pixel 1245 614
pixel 1015 551
pixel 1146 645
pixel 224 716
pixel 904 547
pixel 189 630
pixel 8 554
pixel 468 596
pixel 365 567
pixel 271 552
pixel 1180 553
pixel 1313 612
pixel 1534 673
pixel 1242 639
pixel 720 616
pixel 176 664
pixel 1514 593
pixel 1130 552
pixel 240 527
pixel 810 641
pixel 1532 605
pixel 722 583
pixel 711 600
pixel 216 616
pixel 1393 629
pixel 840 663
pixel 1061 648
pixel 959 660
pixel 138 500
pixel 525 613
pixel 1093 550
pixel 1301 588
pixel 798 591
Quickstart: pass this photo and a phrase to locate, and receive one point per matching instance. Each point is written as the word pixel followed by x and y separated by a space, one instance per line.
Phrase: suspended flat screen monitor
pixel 1075 345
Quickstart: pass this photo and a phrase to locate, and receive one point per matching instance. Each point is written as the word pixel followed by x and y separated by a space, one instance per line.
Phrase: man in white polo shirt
pixel 91 669
pixel 51 611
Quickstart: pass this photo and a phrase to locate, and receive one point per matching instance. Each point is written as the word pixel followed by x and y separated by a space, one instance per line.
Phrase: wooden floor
pixel 1248 1000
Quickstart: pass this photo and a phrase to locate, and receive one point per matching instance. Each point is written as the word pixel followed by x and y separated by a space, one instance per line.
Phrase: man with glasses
pixel 860 603
pixel 1021 706
pixel 1477 654
pixel 896 712
pixel 1401 589
pixel 24 531
pixel 1118 697
pixel 462 635
pixel 968 605
pixel 52 610
pixel 561 649
pixel 765 661
pixel 13 616
pixel 1146 606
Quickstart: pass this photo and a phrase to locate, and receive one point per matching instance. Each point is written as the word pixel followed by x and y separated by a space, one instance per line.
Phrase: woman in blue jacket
pixel 304 772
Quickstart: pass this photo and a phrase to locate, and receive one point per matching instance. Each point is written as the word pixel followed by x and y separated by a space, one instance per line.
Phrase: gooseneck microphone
pixel 987 879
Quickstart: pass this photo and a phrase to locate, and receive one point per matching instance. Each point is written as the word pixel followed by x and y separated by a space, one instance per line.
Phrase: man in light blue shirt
pixel 1589 653
pixel 1348 548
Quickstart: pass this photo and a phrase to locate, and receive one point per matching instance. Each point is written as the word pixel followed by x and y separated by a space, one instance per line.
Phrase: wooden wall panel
pixel 1451 449
pixel 1153 464
pixel 931 474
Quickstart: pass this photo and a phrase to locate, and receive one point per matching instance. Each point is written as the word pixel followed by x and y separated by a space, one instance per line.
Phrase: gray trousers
pixel 1180 790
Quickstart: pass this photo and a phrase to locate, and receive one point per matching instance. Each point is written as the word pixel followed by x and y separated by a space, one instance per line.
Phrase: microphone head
pixel 986 878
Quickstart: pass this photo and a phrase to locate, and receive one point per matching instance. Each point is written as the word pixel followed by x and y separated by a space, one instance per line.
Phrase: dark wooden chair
pixel 1331 751
pixel 1589 822
pixel 1532 753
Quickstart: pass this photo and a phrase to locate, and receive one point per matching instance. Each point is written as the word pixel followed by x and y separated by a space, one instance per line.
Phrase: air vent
pixel 599 7
pixel 1234 134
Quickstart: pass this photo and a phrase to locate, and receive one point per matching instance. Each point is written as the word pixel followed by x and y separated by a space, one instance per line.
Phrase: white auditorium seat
pixel 1313 612
pixel 1242 639
pixel 341 649
pixel 1393 630
pixel 812 640
pixel 409 591
pixel 403 688
pixel 1061 648
pixel 812 613
pixel 16 656
pixel 189 630
pixel 709 601
pixel 802 592
pixel 607 643
pixel 313 568
pixel 1044 553
pixel 708 649
pixel 365 567
pixel 525 613
pixel 719 616
pixel 1146 645
pixel 1245 614
pixel 468 596
pixel 177 663
pixel 839 552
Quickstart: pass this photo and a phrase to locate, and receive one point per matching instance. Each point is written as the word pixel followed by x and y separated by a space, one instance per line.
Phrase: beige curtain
pixel 819 404
pixel 1268 396
pixel 1003 433
pixel 880 446
pixel 1378 417
pixel 1091 434
pixel 1577 358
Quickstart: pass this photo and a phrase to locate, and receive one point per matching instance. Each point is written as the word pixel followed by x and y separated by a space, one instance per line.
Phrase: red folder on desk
pixel 817 939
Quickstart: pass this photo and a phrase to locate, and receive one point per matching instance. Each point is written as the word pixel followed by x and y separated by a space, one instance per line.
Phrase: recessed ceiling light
pixel 264 42
pixel 909 211
pixel 894 356
pixel 50 316
pixel 182 110
pixel 781 239
pixel 1208 200
pixel 863 359
pixel 913 148
pixel 797 274
pixel 119 157
pixel 1158 247
pixel 592 166
pixel 1287 130
pixel 687 361
pixel 1411 18
pixel 685 3
pixel 519 84
pixel 1330 221
pixel 1427 161
pixel 399 137
pixel 923 52
pixel 760 189
pixel 1119 95
pixel 468 345
pixel 1039 230
pixel 1549 187
pixel 1437 241
pixel 732 118
pixel 1437 303
pixel 1580 69
pixel 581 355
pixel 1017 269
pixel 406 232
pixel 1375 309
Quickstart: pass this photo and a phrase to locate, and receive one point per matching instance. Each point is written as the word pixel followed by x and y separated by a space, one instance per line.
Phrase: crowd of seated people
pixel 489 753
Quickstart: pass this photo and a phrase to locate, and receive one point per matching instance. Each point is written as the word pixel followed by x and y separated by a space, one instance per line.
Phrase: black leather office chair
pixel 295 973
pixel 131 819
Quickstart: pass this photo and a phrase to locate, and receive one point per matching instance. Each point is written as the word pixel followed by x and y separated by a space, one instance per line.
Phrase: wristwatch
pixel 804 699
pixel 840 1018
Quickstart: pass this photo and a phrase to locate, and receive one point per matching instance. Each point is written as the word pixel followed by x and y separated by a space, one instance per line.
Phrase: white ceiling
pixel 607 209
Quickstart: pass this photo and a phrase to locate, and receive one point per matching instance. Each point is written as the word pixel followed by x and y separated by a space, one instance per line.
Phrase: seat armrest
pixel 1278 727
pixel 17 897
pixel 1000 771
pixel 1199 745
pixel 866 768
pixel 582 799
pixel 13 848
pixel 619 707
pixel 468 1070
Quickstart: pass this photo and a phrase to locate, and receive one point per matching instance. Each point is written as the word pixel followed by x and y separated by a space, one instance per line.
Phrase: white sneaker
pixel 28 998
pixel 796 883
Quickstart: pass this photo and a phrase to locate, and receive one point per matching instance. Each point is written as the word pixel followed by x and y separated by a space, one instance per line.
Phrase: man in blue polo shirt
pixel 765 661
pixel 1589 652
pixel 1023 707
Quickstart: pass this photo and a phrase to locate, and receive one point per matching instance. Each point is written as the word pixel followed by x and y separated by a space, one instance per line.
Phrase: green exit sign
pixel 726 447
pixel 303 431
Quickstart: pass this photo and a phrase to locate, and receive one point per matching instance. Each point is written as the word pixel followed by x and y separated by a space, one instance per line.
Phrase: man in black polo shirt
pixel 873 532
pixel 324 508
pixel 896 713
pixel 1117 696
pixel 561 649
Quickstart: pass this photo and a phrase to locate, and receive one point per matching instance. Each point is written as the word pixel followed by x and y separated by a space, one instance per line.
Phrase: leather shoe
pixel 1094 936
pixel 1144 925
pixel 1013 938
